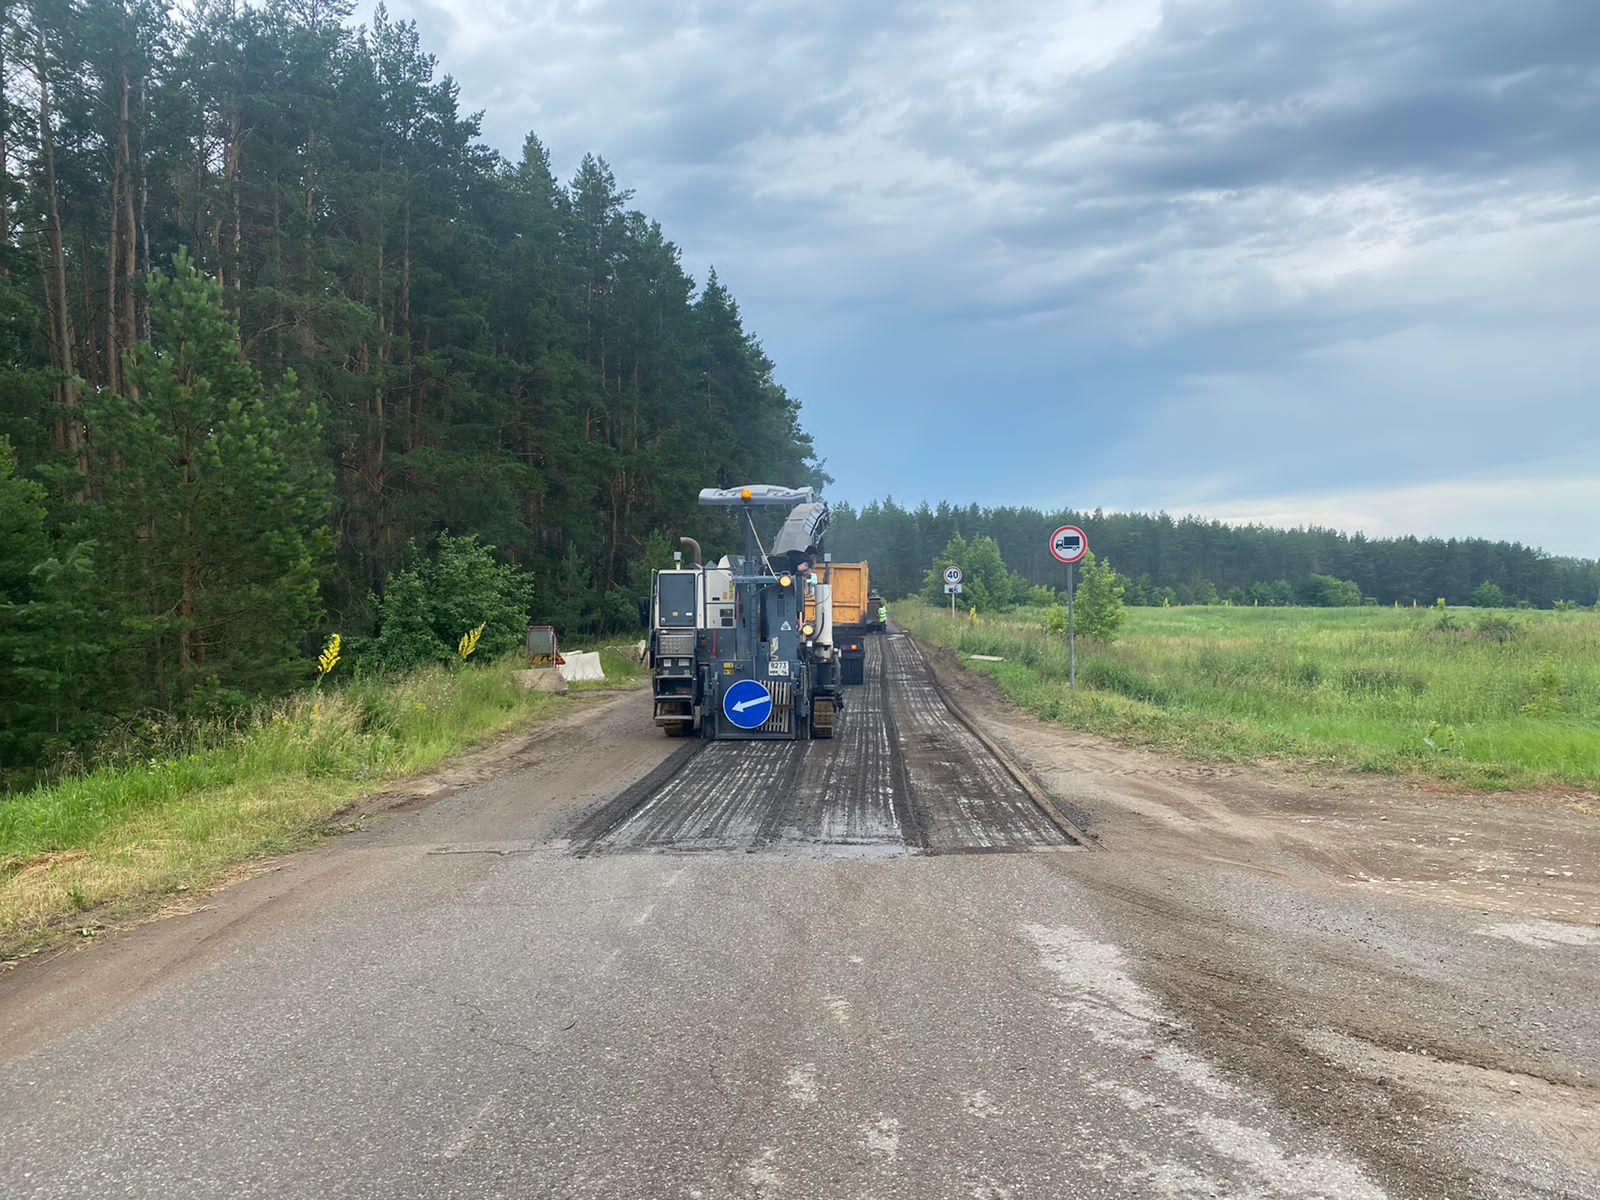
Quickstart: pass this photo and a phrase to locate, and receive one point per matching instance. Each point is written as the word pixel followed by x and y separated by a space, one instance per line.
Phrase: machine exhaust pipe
pixel 694 546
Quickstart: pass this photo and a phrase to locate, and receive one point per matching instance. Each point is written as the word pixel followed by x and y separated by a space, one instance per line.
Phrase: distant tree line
pixel 1189 560
pixel 272 319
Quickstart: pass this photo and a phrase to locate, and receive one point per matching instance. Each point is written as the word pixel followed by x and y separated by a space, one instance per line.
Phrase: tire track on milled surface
pixel 845 789
pixel 901 776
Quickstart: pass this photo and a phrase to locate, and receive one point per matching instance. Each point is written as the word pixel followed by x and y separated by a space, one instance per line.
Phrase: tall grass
pixel 1373 689
pixel 206 798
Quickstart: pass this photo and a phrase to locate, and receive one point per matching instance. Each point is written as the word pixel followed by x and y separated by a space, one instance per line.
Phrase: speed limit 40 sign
pixel 952 574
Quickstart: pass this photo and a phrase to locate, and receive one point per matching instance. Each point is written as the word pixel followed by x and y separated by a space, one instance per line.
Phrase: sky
pixel 1329 262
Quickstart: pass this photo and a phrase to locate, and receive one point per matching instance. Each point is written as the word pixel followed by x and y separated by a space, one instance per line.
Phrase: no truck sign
pixel 1069 544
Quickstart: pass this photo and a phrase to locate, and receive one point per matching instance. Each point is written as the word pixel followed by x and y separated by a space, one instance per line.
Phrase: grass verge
pixel 1377 690
pixel 116 840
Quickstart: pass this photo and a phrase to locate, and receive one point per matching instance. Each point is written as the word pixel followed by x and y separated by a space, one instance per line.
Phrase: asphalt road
pixel 604 975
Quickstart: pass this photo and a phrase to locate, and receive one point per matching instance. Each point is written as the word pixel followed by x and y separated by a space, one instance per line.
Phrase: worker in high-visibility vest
pixel 883 614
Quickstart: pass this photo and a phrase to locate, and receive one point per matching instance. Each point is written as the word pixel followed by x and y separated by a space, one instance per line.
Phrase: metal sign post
pixel 1072 632
pixel 1068 544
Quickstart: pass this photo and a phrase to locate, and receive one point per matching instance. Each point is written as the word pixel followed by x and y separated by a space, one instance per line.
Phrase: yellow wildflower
pixel 329 658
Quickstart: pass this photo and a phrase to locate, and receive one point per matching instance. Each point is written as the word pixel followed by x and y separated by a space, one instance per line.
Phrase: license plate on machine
pixel 778 666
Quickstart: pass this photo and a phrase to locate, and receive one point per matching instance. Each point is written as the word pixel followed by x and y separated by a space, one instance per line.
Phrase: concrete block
pixel 541 679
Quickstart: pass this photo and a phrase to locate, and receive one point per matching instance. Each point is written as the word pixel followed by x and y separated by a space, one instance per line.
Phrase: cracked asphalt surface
pixel 530 988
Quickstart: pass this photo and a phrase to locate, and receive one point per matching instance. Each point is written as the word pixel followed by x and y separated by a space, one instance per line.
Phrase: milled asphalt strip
pixel 844 789
pixel 715 804
pixel 905 775
pixel 909 815
pixel 1017 771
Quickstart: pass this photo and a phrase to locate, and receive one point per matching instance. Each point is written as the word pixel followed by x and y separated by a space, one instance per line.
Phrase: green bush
pixel 439 596
pixel 1055 620
pixel 1497 628
pixel 1548 685
pixel 1099 600
pixel 1327 591
pixel 1488 594
pixel 987 585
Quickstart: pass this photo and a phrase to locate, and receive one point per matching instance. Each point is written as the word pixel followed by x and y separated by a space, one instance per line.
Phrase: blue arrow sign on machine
pixel 747 703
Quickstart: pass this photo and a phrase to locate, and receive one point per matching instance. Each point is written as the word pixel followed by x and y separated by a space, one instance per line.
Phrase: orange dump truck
pixel 852 615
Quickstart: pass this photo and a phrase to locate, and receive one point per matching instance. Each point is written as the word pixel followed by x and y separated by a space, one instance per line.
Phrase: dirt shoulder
pixel 1410 964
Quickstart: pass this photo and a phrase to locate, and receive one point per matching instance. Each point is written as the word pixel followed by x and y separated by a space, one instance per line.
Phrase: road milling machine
pixel 732 651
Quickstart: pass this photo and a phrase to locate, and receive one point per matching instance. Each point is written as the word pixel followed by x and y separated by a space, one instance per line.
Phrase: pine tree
pixel 212 524
pixel 23 546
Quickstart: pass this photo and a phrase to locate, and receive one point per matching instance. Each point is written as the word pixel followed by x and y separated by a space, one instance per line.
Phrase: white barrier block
pixel 582 666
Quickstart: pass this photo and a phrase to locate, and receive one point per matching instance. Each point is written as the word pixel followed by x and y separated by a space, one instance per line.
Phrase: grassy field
pixel 117 839
pixel 1492 700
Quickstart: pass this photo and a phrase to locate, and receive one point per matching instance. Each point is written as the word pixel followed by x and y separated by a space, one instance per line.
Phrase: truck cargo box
pixel 850 592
